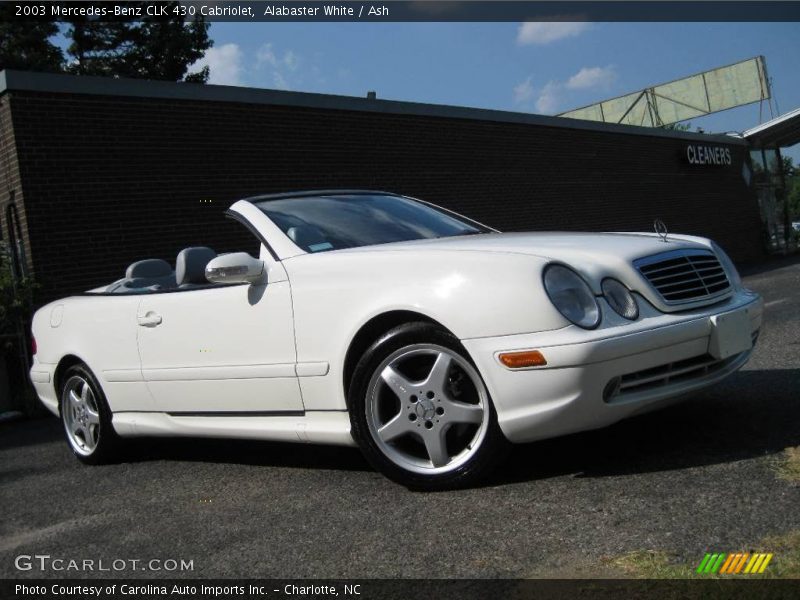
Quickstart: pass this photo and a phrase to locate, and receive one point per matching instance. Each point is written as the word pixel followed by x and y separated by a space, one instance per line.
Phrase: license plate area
pixel 730 334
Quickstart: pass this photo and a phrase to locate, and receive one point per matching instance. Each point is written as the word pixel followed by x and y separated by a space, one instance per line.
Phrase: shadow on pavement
pixel 749 415
pixel 248 452
pixel 771 263
pixel 30 432
pixel 752 414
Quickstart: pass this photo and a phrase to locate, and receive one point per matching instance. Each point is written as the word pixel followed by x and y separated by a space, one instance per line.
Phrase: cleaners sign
pixel 701 154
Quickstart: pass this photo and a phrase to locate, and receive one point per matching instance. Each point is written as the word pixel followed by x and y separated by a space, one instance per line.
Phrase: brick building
pixel 103 172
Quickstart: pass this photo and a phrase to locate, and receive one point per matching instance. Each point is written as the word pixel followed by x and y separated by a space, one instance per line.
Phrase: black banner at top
pixel 417 10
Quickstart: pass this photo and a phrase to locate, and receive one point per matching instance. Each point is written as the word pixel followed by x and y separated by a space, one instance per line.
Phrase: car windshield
pixel 331 222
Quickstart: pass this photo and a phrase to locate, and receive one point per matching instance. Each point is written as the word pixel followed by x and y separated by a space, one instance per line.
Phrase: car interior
pixel 156 275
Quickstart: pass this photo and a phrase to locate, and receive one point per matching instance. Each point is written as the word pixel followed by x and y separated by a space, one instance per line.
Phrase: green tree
pixel 793 190
pixel 678 126
pixel 788 166
pixel 26 45
pixel 147 48
pixel 16 296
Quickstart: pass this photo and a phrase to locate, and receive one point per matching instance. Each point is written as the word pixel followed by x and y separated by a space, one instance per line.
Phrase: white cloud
pixel 523 91
pixel 279 65
pixel 589 77
pixel 291 60
pixel 545 32
pixel 549 97
pixel 544 99
pixel 280 81
pixel 224 64
pixel 266 56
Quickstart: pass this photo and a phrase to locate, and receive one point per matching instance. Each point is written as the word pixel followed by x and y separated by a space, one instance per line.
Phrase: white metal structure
pixel 711 91
pixel 429 353
pixel 780 132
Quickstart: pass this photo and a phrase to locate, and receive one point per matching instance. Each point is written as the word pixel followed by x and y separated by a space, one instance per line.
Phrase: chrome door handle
pixel 149 319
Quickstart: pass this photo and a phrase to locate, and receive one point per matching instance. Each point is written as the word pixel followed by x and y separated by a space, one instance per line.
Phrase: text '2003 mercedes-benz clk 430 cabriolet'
pixel 427 339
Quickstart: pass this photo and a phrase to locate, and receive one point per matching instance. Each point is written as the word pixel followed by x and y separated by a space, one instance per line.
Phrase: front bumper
pixel 595 378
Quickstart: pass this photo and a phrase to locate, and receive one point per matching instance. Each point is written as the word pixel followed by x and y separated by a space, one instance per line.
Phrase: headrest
pixel 151 267
pixel 190 267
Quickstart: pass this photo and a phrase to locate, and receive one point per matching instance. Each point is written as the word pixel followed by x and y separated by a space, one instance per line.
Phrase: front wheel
pixel 87 418
pixel 421 412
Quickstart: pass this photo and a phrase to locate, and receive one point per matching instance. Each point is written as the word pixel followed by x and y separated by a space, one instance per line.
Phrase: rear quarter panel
pixel 101 332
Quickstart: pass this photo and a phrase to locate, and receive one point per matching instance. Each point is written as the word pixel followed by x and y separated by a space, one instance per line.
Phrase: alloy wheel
pixel 81 415
pixel 427 409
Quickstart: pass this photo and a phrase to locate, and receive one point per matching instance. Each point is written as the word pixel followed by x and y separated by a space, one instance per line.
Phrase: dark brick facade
pixel 104 180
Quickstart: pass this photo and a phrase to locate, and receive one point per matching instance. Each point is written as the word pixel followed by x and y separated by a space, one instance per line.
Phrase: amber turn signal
pixel 525 358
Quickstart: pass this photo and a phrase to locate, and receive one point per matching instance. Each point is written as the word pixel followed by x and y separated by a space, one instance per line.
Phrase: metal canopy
pixel 779 132
pixel 711 91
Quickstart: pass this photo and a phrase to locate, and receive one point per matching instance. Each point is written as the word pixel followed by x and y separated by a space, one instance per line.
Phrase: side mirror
pixel 237 267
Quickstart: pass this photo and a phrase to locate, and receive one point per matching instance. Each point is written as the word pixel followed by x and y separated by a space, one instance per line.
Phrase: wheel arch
pixel 67 361
pixel 371 331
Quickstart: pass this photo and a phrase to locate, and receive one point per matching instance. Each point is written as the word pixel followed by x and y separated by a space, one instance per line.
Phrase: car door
pixel 221 348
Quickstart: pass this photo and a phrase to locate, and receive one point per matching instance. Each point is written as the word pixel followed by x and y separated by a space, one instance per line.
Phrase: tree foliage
pixel 139 47
pixel 147 48
pixel 27 45
pixel 792 175
pixel 16 296
pixel 678 126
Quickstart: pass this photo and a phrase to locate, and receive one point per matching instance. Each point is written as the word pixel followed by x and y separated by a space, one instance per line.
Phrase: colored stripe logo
pixel 734 564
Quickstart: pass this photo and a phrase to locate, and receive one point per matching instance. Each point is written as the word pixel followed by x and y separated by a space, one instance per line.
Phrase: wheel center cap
pixel 425 409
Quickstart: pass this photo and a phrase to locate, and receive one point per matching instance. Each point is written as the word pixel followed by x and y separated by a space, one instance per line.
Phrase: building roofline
pixel 11 80
pixel 783 130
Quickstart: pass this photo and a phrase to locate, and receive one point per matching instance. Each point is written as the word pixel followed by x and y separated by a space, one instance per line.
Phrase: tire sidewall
pixel 492 448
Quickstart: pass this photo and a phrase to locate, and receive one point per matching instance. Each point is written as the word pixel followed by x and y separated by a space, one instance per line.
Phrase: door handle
pixel 149 319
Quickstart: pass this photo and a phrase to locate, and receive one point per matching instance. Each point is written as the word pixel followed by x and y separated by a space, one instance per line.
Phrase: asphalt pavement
pixel 684 480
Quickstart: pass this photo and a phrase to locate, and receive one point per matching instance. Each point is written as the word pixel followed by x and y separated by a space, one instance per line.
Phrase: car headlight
pixel 730 268
pixel 572 296
pixel 620 299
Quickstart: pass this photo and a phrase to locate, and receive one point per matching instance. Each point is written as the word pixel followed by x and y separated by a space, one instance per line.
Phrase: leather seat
pixel 149 268
pixel 149 275
pixel 190 266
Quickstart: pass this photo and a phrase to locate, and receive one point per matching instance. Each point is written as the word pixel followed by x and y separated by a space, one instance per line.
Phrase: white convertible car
pixel 427 339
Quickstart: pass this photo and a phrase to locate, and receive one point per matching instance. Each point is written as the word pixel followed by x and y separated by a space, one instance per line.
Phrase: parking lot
pixel 708 475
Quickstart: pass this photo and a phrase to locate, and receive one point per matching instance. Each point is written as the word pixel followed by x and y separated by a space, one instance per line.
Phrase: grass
pixel 787 465
pixel 650 564
pixel 656 564
pixel 786 548
pixel 785 564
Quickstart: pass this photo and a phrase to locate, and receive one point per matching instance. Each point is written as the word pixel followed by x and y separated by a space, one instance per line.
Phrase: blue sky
pixel 541 68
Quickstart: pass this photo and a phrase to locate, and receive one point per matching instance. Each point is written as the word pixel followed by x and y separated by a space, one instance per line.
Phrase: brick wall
pixel 108 180
pixel 10 181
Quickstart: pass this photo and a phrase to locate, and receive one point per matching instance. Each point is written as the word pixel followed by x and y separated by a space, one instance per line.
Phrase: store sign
pixel 701 154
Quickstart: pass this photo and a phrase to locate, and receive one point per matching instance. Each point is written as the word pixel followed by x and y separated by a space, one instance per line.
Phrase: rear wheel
pixel 421 412
pixel 87 418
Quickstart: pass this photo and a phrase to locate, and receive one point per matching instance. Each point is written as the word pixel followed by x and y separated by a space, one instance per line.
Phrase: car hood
pixel 595 255
pixel 573 247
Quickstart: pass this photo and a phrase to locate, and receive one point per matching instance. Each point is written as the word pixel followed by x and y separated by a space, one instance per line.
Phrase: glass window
pixel 331 222
pixel 759 169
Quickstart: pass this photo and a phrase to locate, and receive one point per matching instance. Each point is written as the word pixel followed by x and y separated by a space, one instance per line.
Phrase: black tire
pixel 479 458
pixel 105 444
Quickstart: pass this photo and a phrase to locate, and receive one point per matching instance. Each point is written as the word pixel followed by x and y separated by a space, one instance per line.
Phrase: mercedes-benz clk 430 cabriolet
pixel 425 338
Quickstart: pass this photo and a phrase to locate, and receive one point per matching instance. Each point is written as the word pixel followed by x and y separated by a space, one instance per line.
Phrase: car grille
pixel 684 275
